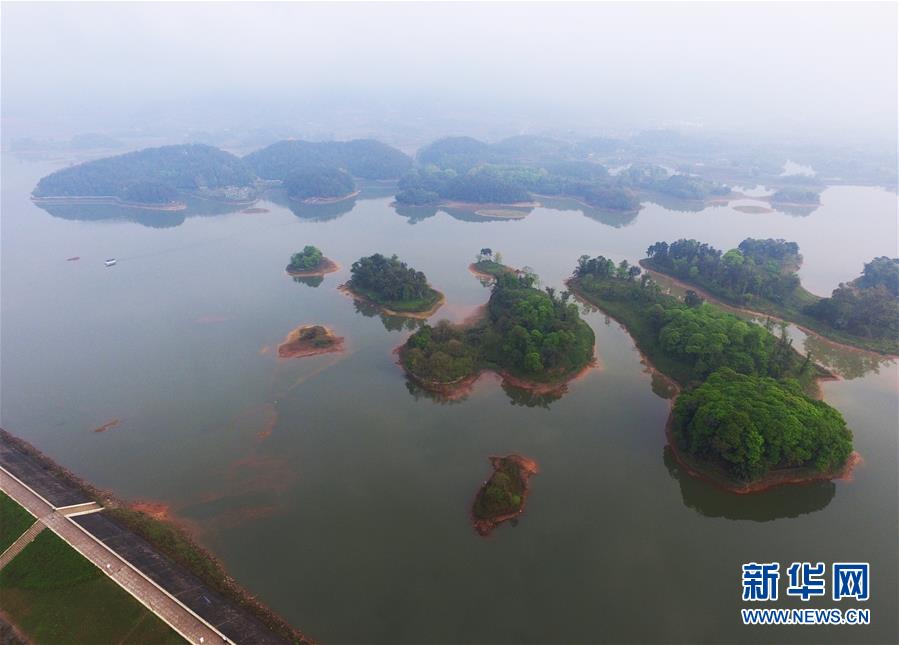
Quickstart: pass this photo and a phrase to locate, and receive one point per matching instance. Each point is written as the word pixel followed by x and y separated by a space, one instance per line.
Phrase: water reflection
pixel 776 503
pixel 615 219
pixel 145 217
pixel 847 362
pixel 415 214
pixel 391 323
pixel 309 280
pixel 517 396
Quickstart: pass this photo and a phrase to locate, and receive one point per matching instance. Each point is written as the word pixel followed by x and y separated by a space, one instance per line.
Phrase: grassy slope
pixel 791 311
pixel 14 520
pixel 411 306
pixel 54 595
pixel 492 268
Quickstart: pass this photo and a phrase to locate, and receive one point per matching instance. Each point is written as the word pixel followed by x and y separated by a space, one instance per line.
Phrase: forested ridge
pixel 515 169
pixel 317 181
pixel 152 175
pixel 363 158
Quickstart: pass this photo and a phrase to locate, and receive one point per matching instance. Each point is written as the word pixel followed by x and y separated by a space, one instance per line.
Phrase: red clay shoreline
pixel 419 315
pixel 296 347
pixel 772 480
pixel 527 468
pixel 327 265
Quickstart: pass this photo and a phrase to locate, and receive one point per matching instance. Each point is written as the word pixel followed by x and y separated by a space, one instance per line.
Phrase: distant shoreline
pixel 110 200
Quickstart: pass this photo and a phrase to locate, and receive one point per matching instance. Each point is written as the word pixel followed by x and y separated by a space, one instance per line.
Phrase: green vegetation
pixel 153 175
pixel 363 158
pixel 308 259
pixel 503 493
pixel 14 520
pixel 526 332
pixel 54 595
pixel 391 283
pixel 796 196
pixel 317 336
pixel 687 340
pixel 761 275
pixel 490 264
pixel 744 408
pixel 319 182
pixel 866 307
pixel 464 169
pixel 753 425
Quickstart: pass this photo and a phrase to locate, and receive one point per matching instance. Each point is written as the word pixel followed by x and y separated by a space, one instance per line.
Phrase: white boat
pixel 110 262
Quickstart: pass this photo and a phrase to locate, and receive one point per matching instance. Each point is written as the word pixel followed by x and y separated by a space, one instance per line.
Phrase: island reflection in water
pixel 773 504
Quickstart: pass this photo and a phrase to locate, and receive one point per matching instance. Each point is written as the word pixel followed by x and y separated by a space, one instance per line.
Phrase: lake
pixel 341 497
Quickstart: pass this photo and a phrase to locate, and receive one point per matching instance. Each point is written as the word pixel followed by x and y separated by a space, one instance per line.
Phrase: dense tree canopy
pixel 693 338
pixel 751 425
pixel 364 158
pixel 526 331
pixel 388 280
pixel 309 258
pixel 316 181
pixel 151 174
pixel 867 306
pixel 757 268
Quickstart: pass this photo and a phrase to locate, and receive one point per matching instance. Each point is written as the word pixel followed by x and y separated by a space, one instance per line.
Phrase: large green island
pixel 396 288
pixel 760 275
pixel 534 339
pixel 744 418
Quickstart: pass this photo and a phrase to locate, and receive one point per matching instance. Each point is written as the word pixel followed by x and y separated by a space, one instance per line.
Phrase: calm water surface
pixel 341 498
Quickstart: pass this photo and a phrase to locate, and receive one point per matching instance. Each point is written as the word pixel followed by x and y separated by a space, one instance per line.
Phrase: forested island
pixel 515 170
pixel 310 262
pixel 761 275
pixel 364 158
pixel 319 184
pixel 532 338
pixel 154 177
pixel 745 418
pixel 503 496
pixel 489 265
pixel 394 286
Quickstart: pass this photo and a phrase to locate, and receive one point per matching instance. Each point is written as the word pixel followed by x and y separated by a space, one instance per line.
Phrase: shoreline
pixel 699 471
pixel 128 515
pixel 527 469
pixel 718 301
pixel 294 347
pixel 110 200
pixel 418 315
pixel 319 201
pixel 472 268
pixel 327 265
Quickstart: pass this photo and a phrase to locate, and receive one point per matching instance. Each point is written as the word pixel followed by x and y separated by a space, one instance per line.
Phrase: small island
pixel 745 415
pixel 503 496
pixel 392 285
pixel 310 263
pixel 760 276
pixel 533 339
pixel 489 265
pixel 320 185
pixel 310 340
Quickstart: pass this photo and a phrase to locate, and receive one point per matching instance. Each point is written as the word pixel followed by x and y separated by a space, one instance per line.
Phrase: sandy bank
pixel 325 266
pixel 419 315
pixel 295 346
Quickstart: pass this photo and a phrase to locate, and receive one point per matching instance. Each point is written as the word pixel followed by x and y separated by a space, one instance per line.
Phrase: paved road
pixel 167 608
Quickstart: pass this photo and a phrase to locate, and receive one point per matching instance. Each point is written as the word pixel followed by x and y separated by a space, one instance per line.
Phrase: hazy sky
pixel 779 67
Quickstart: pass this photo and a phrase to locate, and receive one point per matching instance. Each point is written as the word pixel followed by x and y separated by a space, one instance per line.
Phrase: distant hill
pixel 364 158
pixel 312 183
pixel 154 175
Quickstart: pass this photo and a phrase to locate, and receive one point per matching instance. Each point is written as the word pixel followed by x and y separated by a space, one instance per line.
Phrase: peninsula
pixel 760 276
pixel 745 418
